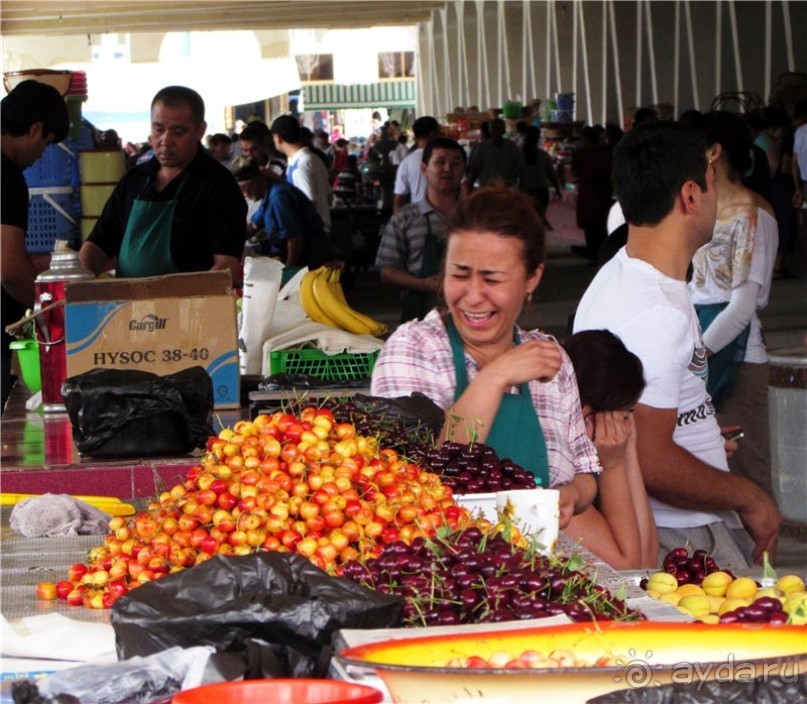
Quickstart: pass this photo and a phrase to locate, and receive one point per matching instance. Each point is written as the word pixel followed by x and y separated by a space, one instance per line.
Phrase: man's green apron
pixel 516 432
pixel 146 246
pixel 417 303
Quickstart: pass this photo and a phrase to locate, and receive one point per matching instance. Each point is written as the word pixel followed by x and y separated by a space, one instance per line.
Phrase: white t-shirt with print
pixel 723 263
pixel 654 317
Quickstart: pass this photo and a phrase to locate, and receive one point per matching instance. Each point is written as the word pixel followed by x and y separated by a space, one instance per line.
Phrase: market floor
pixel 566 277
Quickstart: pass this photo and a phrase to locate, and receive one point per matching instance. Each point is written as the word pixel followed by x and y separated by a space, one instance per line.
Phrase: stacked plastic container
pixel 99 170
pixel 564 108
pixel 53 206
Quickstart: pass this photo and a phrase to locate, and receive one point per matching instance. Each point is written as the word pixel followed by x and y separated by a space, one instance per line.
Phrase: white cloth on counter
pixel 328 340
pixel 50 515
pixel 53 636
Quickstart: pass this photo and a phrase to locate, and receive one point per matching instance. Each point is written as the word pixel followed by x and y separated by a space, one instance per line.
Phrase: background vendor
pixel 510 388
pixel 294 232
pixel 180 211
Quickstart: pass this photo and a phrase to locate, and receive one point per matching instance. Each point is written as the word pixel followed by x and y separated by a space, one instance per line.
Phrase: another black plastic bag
pixel 276 609
pixel 130 413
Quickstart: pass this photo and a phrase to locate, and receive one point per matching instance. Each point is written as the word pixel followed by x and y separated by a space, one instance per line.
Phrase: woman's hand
pixel 611 434
pixel 534 359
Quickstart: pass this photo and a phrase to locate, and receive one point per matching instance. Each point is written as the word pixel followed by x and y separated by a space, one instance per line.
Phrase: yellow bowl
pixel 101 165
pixel 60 80
pixel 646 654
pixel 93 198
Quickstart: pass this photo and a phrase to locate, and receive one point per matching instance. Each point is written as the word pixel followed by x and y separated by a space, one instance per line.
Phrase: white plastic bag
pixel 261 286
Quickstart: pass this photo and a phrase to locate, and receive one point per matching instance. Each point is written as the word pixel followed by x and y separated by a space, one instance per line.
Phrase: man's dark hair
pixel 424 126
pixel 176 96
pixel 306 134
pixel 442 143
pixel 644 115
pixel 691 117
pixel 800 108
pixel 287 128
pixel 258 126
pixel 253 133
pixel 31 102
pixel 219 138
pixel 651 164
pixel 609 376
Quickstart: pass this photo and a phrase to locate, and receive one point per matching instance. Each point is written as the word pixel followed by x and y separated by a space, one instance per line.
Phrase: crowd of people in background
pixel 687 220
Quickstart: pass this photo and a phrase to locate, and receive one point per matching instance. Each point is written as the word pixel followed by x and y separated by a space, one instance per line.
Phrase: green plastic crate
pixel 315 363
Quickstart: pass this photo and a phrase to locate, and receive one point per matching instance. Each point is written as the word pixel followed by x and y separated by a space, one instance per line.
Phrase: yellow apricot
pixel 741 588
pixel 790 584
pixel 715 584
pixel 690 590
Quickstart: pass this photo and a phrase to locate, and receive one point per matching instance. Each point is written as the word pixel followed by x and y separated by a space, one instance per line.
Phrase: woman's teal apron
pixel 723 364
pixel 146 246
pixel 417 303
pixel 516 432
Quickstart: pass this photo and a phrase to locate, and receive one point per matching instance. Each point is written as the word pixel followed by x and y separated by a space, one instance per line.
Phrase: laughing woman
pixel 510 388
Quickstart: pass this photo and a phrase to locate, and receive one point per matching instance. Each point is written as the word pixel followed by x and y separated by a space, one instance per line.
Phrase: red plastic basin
pixel 289 691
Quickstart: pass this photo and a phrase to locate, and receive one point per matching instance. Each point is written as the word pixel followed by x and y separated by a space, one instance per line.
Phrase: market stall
pixel 325 486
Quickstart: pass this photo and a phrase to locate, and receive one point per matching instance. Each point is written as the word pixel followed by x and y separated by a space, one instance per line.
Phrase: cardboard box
pixel 162 324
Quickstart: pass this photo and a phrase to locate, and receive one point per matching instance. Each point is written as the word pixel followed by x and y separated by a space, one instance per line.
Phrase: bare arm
pixel 471 417
pixel 403 279
pixel 676 477
pixel 622 532
pixel 795 170
pixel 92 258
pixel 294 251
pixel 399 201
pixel 16 271
pixel 576 497
pixel 227 262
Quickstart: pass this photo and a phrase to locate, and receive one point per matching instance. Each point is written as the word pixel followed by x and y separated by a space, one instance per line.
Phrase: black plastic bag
pixel 278 610
pixel 130 413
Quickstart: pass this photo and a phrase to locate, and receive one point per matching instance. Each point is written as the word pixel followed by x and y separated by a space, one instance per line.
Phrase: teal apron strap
pixel 416 304
pixel 723 364
pixel 146 246
pixel 516 431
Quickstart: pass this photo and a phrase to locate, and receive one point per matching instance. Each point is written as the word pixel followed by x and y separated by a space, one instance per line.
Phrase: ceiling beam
pixel 21 17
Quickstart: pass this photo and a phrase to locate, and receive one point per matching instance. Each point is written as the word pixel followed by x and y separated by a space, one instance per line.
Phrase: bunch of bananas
pixel 324 302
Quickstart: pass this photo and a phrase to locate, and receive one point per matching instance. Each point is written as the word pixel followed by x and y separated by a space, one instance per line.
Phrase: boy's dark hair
pixel 442 143
pixel 730 132
pixel 502 211
pixel 643 116
pixel 651 164
pixel 175 96
pixel 424 126
pixel 30 102
pixel 609 376
pixel 287 128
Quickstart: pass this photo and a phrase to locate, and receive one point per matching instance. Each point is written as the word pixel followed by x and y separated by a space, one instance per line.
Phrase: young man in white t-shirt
pixel 667 191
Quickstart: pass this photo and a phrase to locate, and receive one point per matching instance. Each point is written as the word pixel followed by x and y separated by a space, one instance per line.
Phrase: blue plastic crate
pixel 58 165
pixel 46 222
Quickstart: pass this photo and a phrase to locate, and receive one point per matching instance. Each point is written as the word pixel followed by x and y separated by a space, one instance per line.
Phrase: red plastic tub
pixel 289 691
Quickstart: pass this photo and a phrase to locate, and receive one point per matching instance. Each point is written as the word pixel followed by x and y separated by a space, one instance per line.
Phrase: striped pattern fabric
pixel 386 94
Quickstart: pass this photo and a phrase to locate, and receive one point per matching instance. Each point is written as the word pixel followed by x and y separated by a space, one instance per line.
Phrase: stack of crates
pixel 53 207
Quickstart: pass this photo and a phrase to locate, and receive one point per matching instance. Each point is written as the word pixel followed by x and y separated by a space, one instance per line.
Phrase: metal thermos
pixel 49 287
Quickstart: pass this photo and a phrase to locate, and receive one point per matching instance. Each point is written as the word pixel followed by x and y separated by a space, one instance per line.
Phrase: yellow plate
pixel 108 504
pixel 647 654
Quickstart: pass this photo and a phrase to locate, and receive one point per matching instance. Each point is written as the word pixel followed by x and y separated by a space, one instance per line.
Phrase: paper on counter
pixel 56 637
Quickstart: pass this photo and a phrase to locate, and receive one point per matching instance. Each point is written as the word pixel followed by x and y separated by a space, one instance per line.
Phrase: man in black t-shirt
pixel 181 211
pixel 34 115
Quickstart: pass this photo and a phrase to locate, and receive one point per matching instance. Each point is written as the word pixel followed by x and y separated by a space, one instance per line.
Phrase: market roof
pixel 20 17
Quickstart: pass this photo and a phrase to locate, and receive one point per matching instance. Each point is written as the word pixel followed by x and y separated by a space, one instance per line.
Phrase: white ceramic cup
pixel 535 512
